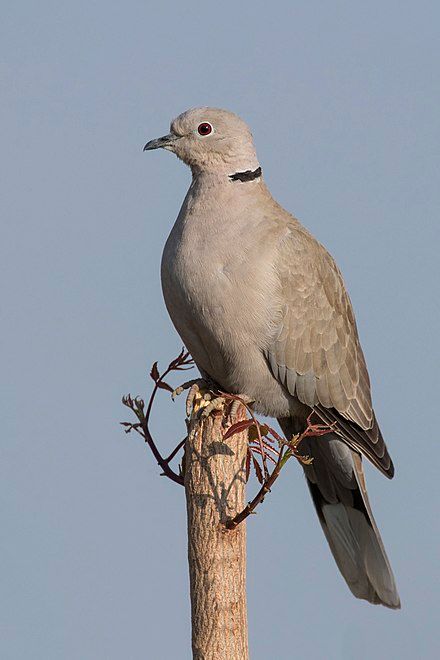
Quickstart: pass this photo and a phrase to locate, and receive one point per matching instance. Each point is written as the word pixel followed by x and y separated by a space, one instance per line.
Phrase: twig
pixel 259 497
pixel 258 429
pixel 283 457
pixel 174 452
pixel 181 363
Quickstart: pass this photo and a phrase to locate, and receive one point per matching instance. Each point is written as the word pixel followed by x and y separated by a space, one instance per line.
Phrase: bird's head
pixel 210 139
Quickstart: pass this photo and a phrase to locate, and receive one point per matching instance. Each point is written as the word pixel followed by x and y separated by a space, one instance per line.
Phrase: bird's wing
pixel 316 352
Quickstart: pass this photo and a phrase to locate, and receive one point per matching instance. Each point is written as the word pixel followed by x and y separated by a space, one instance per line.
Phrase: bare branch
pixel 182 362
pixel 287 449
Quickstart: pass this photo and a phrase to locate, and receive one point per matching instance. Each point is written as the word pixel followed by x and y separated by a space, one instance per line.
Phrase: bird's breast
pixel 199 279
pixel 220 298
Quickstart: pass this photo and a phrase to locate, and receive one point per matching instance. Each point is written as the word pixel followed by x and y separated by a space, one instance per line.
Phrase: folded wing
pixel 316 353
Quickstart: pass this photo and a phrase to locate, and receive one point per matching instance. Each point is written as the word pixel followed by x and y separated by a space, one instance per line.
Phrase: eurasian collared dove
pixel 263 310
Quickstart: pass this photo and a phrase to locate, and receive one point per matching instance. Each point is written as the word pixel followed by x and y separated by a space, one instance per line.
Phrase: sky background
pixel 343 99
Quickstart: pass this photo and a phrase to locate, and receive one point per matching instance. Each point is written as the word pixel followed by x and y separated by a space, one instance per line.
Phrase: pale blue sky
pixel 343 99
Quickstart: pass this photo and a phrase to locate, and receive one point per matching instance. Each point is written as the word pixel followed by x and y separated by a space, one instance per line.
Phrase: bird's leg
pixel 205 395
pixel 185 386
pixel 220 401
pixel 237 402
pixel 198 390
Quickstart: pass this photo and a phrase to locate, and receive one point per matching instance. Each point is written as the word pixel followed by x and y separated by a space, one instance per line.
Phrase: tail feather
pixel 359 555
pixel 337 485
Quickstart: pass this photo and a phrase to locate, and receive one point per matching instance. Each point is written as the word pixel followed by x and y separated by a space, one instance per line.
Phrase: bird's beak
pixel 164 142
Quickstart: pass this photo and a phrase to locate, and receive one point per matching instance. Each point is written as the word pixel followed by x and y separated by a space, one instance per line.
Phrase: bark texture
pixel 215 491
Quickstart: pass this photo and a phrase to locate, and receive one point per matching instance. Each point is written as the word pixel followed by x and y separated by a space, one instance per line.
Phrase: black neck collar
pixel 246 176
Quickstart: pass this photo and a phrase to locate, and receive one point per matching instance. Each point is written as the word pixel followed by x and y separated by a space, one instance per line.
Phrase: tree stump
pixel 215 484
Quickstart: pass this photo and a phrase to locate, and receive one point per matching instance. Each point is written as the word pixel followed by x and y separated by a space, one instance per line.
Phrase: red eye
pixel 204 129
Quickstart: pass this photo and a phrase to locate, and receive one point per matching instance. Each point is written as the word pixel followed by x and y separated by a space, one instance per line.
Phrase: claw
pixel 176 392
pixel 194 386
pixel 185 386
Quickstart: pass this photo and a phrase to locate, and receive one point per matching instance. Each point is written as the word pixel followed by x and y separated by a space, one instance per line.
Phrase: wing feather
pixel 316 353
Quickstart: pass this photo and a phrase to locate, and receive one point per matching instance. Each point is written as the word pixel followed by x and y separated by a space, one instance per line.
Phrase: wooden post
pixel 215 491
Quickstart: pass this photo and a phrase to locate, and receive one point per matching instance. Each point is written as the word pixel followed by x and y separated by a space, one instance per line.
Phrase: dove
pixel 262 307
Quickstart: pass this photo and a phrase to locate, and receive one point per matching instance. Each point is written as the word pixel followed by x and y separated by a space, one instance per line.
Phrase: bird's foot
pixel 195 400
pixel 221 399
pixel 204 398
pixel 237 401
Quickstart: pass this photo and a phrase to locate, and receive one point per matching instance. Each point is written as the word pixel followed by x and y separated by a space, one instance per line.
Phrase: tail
pixel 337 485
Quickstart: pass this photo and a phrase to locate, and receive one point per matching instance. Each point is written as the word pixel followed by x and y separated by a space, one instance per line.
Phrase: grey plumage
pixel 263 310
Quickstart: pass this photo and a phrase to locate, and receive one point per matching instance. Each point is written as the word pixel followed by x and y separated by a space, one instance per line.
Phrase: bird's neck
pixel 236 175
pixel 220 187
pixel 218 204
pixel 228 166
